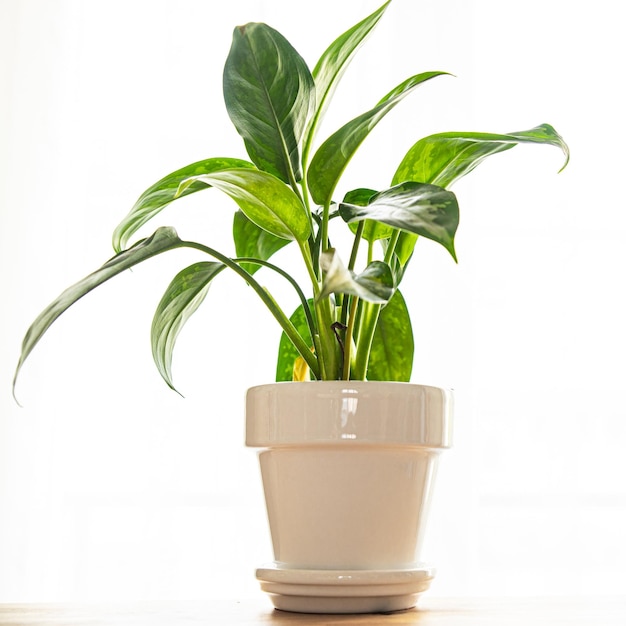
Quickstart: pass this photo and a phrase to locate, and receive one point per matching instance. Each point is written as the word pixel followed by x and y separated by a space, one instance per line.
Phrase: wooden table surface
pixel 574 611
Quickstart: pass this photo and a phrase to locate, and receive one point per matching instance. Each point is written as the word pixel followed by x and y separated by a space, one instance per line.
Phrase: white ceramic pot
pixel 347 470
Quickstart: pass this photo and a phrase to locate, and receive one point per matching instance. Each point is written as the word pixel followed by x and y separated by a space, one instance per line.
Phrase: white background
pixel 112 486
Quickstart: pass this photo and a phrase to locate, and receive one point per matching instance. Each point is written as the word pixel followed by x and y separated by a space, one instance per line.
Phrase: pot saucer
pixel 344 591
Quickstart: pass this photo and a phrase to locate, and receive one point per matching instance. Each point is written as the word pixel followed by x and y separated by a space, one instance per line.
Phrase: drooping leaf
pixel 269 94
pixel 159 195
pixel 335 153
pixel 443 158
pixel 181 299
pixel 391 356
pixel 163 239
pixel 265 200
pixel 334 62
pixel 374 284
pixel 421 209
pixel 253 241
pixel 288 355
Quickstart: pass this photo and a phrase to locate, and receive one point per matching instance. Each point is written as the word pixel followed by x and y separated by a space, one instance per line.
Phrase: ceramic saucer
pixel 344 591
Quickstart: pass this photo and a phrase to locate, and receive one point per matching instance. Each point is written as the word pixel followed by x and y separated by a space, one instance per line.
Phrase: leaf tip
pixel 170 384
pixel 13 391
pixel 566 151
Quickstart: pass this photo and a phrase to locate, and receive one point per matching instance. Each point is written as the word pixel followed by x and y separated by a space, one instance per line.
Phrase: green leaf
pixel 162 240
pixel 372 231
pixel 335 153
pixel 269 94
pixel 287 352
pixel 444 158
pixel 391 356
pixel 374 284
pixel 181 299
pixel 159 195
pixel 334 62
pixel 421 209
pixel 252 241
pixel 360 196
pixel 265 200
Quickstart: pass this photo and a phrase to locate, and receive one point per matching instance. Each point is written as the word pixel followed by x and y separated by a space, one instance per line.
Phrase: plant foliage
pixel 352 321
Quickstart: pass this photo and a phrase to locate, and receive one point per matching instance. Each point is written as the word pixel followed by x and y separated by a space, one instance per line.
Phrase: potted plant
pixel 349 444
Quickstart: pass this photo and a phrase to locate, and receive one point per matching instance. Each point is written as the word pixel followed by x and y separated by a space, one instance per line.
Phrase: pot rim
pixel 339 412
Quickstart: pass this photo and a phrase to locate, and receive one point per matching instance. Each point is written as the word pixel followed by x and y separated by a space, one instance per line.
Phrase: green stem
pixel 329 347
pixel 347 347
pixel 270 303
pixel 325 220
pixel 367 327
pixel 326 351
pixel 308 261
pixel 355 245
pixel 369 320
pixel 307 206
pixel 351 264
pixel 391 246
pixel 305 304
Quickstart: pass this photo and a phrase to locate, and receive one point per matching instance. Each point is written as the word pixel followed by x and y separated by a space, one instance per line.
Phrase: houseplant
pixel 352 323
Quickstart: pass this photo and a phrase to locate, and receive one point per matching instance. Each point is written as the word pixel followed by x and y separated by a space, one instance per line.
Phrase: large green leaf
pixel 335 153
pixel 421 209
pixel 265 200
pixel 287 352
pixel 391 356
pixel 374 284
pixel 253 241
pixel 181 299
pixel 334 62
pixel 444 158
pixel 159 195
pixel 269 94
pixel 162 240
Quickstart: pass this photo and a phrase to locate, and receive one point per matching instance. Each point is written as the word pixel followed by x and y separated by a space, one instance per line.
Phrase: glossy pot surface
pixel 347 471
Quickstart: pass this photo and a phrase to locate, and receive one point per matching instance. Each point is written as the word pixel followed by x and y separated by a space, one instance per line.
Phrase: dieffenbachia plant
pixel 352 321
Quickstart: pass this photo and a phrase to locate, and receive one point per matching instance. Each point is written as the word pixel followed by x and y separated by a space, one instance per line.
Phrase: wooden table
pixel 432 612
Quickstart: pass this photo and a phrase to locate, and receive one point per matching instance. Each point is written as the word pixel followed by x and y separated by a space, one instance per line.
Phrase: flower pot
pixel 347 470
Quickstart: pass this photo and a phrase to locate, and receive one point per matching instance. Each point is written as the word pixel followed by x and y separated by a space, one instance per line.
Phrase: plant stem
pixel 305 304
pixel 307 206
pixel 325 219
pixel 327 348
pixel 308 261
pixel 347 344
pixel 369 320
pixel 355 245
pixel 367 327
pixel 328 357
pixel 391 247
pixel 268 300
